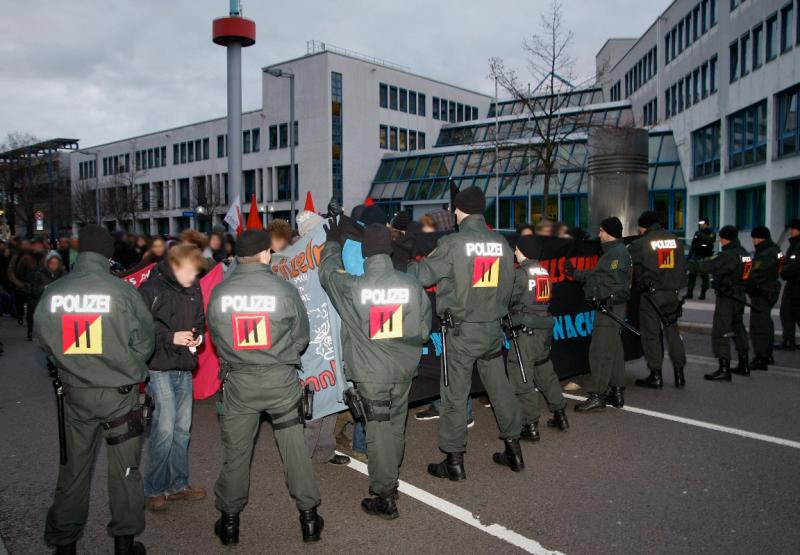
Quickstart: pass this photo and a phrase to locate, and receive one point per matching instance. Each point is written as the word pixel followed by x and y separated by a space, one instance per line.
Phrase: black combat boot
pixel 653 381
pixel 384 507
pixel 759 363
pixel 723 373
pixel 689 294
pixel 511 457
pixel 680 379
pixel 743 369
pixel 124 545
pixel 452 467
pixel 702 296
pixel 595 401
pixel 530 432
pixel 227 528
pixel 69 549
pixel 311 524
pixel 615 398
pixel 559 421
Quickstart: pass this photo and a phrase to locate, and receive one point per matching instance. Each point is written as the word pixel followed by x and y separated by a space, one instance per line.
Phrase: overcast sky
pixel 102 71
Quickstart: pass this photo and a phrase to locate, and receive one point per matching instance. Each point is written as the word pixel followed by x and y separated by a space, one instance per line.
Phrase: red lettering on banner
pixel 556 267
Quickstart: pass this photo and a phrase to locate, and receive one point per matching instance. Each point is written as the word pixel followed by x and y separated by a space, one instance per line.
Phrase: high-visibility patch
pixel 666 258
pixel 251 331
pixel 747 265
pixel 485 271
pixel 82 334
pixel 614 264
pixel 540 286
pixel 386 321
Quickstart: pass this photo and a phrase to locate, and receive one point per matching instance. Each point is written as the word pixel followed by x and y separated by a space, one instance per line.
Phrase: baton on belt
pixel 58 387
pixel 513 334
pixel 447 322
pixel 610 313
pixel 738 300
pixel 647 293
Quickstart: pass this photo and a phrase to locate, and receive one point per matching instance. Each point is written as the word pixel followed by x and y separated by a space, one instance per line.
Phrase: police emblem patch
pixel 251 331
pixel 82 334
pixel 386 321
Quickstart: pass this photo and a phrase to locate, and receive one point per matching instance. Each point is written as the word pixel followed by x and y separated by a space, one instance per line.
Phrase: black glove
pixel 333 231
pixel 569 268
pixel 334 208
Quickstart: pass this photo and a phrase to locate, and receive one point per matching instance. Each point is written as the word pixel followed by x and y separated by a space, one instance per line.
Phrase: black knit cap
pixel 795 224
pixel 648 218
pixel 471 200
pixel 760 232
pixel 530 246
pixel 401 220
pixel 729 232
pixel 252 242
pixel 373 214
pixel 612 226
pixel 377 240
pixel 94 238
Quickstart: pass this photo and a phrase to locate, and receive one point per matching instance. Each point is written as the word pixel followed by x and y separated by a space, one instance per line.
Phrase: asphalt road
pixel 617 482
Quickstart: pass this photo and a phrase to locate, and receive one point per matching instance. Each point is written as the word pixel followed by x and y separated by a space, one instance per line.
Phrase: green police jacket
pixel 791 269
pixel 658 260
pixel 530 298
pixel 95 326
pixel 763 280
pixel 703 244
pixel 611 277
pixel 257 319
pixel 473 271
pixel 729 269
pixel 386 314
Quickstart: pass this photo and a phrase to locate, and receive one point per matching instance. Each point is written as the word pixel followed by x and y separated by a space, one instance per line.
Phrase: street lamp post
pixel 96 181
pixel 290 76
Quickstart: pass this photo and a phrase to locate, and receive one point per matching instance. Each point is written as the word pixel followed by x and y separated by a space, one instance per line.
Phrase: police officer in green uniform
pixel 660 270
pixel 729 270
pixel 702 248
pixel 530 312
pixel 260 327
pixel 473 270
pixel 388 318
pixel 790 300
pixel 764 289
pixel 98 333
pixel 607 285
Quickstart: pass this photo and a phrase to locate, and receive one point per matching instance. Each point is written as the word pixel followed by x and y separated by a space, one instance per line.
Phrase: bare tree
pixel 22 182
pixel 207 200
pixel 84 207
pixel 122 195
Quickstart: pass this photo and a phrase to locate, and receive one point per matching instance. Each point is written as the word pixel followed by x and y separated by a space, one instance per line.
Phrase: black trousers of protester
pixel 790 315
pixel 85 410
pixel 606 355
pixel 762 329
pixel 650 326
pixel 728 323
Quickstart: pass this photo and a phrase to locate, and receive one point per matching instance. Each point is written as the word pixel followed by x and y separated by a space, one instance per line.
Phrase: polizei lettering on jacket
pixel 247 303
pixel 484 249
pixel 80 304
pixel 384 296
pixel 663 244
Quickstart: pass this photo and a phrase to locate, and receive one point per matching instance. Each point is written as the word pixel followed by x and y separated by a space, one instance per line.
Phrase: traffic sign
pixel 188 213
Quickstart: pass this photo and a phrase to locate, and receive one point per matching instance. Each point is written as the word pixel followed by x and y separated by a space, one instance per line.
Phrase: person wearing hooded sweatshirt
pixel 52 269
pixel 764 289
pixel 790 301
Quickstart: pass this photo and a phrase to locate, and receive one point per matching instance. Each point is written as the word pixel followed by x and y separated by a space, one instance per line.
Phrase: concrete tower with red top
pixel 234 32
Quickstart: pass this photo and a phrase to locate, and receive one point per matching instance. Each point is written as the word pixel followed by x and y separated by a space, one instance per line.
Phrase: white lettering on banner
pixel 384 296
pixel 248 303
pixel 484 249
pixel 664 244
pixel 80 303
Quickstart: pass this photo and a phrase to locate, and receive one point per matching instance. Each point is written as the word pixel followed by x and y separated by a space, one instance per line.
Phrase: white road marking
pixel 459 513
pixel 709 307
pixel 702 424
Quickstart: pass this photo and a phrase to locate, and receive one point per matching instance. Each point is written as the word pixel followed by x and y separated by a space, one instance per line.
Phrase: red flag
pixel 309 207
pixel 253 219
pixel 205 382
pixel 139 276
pixel 369 202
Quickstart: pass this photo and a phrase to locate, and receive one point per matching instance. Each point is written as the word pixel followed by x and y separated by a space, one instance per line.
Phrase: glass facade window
pixel 283 135
pixel 183 191
pixel 246 145
pixel 283 182
pixel 383 137
pixel 257 140
pixel 443 109
pixel 792 200
pixel 273 137
pixel 744 50
pixel 758 47
pixel 670 207
pixel 750 207
pixel 337 135
pixel 734 60
pixel 788 122
pixel 412 140
pixel 393 138
pixel 712 74
pixel 435 107
pixel 403 140
pixel 709 209
pixel 772 37
pixel 412 102
pixel 403 100
pixel 747 136
pixel 383 95
pixel 183 153
pixel 420 104
pixel 787 28
pixel 421 140
pixel 393 98
pixel 705 150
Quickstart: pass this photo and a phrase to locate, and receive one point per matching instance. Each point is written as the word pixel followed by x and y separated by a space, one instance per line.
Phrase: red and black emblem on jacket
pixel 385 321
pixel 82 334
pixel 747 265
pixel 485 271
pixel 251 331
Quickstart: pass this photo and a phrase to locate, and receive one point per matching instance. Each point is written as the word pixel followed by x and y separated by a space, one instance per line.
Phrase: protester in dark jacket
pixel 173 296
pixel 52 269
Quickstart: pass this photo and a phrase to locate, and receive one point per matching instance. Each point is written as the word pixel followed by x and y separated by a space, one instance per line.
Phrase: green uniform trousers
pixel 85 410
pixel 790 315
pixel 606 357
pixel 475 340
pixel 650 327
pixel 762 329
pixel 249 391
pixel 691 279
pixel 728 323
pixel 542 377
pixel 386 433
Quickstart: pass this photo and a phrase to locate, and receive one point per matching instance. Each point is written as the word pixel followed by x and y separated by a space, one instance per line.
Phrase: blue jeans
pixel 359 438
pixel 436 403
pixel 167 469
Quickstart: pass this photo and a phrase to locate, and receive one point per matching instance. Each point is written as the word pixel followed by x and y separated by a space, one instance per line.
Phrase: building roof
pixel 38 149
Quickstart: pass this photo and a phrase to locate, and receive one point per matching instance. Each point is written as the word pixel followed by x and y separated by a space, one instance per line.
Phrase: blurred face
pixel 214 242
pixel 703 226
pixel 53 264
pixel 185 273
pixel 603 236
pixel 460 215
pixel 794 232
pixel 757 241
pixel 229 248
pixel 158 247
pixel 278 243
pixel 62 243
pixel 723 241
pixel 526 231
pixel 546 231
pixel 428 229
pixel 141 242
pixel 642 230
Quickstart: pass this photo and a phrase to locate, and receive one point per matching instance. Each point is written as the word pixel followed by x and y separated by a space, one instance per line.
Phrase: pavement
pixel 708 469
